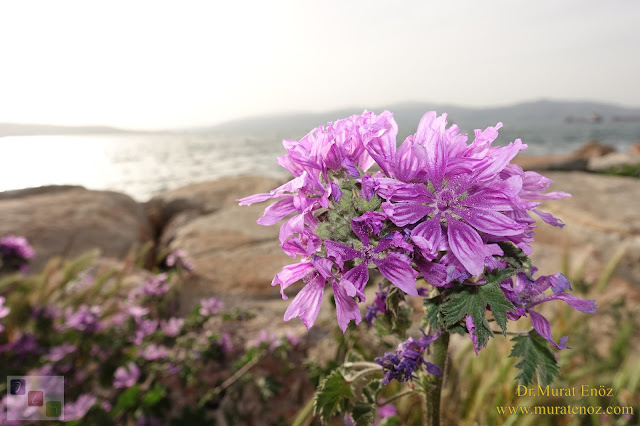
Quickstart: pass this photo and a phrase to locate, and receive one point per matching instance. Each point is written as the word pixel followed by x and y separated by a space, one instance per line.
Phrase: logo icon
pixel 35 399
pixel 17 387
pixel 54 408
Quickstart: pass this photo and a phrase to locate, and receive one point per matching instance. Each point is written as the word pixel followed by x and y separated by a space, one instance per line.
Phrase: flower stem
pixel 432 383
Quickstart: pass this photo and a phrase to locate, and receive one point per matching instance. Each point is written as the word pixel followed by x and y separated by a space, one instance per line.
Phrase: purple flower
pixel 316 273
pixel 395 266
pixel 378 306
pixel 388 410
pixel 405 361
pixel 12 245
pixel 525 293
pixel 172 327
pixel 210 306
pixel 23 345
pixel 126 377
pixel 179 259
pixel 157 286
pixel 58 353
pixel 154 352
pixel 85 319
pixel 225 343
pixel 15 253
pixel 4 311
pixel 145 328
pixel 78 409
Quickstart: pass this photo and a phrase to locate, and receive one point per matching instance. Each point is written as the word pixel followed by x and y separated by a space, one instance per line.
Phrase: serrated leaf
pixel 473 300
pixel 536 359
pixel 432 314
pixel 331 395
pixel 363 413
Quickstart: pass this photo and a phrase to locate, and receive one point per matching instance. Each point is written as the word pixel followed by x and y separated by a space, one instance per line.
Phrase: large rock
pixel 601 219
pixel 232 254
pixel 613 160
pixel 69 220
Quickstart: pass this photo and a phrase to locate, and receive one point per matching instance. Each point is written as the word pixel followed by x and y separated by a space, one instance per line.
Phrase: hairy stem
pixel 432 383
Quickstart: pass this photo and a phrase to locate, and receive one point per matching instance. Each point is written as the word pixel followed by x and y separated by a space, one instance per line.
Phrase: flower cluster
pixel 408 357
pixel 15 253
pixel 437 208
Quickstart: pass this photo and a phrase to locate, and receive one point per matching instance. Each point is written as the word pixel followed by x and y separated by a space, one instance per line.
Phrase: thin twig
pixel 398 396
pixel 512 333
pixel 362 373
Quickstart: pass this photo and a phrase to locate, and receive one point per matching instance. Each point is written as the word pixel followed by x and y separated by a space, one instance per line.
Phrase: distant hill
pixel 14 129
pixel 407 115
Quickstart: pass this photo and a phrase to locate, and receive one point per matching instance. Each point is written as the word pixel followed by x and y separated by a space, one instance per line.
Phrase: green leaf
pixel 536 359
pixel 154 396
pixel 127 399
pixel 432 313
pixel 334 391
pixel 473 300
pixel 363 413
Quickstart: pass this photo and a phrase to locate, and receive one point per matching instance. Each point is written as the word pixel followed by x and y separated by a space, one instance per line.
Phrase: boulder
pixel 612 161
pixel 601 220
pixel 593 149
pixel 635 149
pixel 232 254
pixel 69 220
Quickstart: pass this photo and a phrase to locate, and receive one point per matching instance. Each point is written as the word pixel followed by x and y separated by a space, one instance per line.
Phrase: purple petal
pixel 433 369
pixel 392 239
pixel 339 252
pixel 277 211
pixel 558 282
pixel 379 139
pixel 587 306
pixel 369 187
pixel 346 308
pixel 372 222
pixel 403 214
pixel 466 245
pixel 549 218
pixel 306 304
pixel 396 267
pixel 501 157
pixel 359 227
pixel 433 273
pixel 491 222
pixel 354 280
pixel 427 236
pixel 471 328
pixel 542 326
pixel 411 160
pixel 290 274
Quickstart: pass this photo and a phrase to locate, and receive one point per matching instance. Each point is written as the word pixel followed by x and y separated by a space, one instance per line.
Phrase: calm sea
pixel 142 165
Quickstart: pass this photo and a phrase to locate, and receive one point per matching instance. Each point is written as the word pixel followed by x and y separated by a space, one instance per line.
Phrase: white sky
pixel 161 64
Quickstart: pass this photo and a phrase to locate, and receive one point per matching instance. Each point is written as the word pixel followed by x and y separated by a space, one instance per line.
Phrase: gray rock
pixel 68 221
pixel 601 217
pixel 613 160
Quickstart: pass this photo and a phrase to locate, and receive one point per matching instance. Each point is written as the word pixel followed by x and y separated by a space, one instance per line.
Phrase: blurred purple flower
pixel 126 377
pixel 12 245
pixel 155 352
pixel 57 353
pixel 172 327
pixel 78 409
pixel 157 286
pixel 225 343
pixel 85 319
pixel 179 258
pixel 210 306
pixel 4 311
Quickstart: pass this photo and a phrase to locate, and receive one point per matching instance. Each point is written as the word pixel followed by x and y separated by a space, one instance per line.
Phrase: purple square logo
pixel 17 387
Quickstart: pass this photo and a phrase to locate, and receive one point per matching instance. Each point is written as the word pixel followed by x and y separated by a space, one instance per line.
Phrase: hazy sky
pixel 161 64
